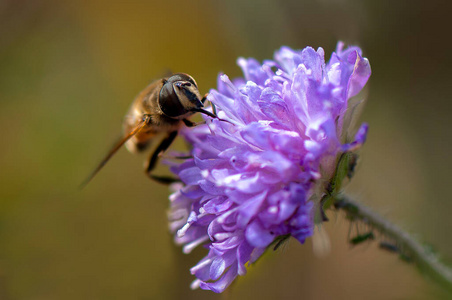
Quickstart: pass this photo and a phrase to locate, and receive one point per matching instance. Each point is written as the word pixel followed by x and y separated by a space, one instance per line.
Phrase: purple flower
pixel 262 175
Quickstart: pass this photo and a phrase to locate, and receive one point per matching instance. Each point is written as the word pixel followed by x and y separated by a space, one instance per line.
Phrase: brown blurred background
pixel 70 69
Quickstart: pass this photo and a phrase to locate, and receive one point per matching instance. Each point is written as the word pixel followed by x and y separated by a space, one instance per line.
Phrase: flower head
pixel 262 174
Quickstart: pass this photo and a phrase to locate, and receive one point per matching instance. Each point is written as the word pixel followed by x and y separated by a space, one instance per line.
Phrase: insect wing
pixel 118 145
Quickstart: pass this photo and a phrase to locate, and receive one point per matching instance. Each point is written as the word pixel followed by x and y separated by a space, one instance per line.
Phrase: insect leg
pixel 214 108
pixel 189 123
pixel 155 157
pixel 204 98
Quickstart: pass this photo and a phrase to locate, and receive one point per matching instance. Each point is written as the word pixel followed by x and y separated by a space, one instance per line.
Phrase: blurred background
pixel 68 73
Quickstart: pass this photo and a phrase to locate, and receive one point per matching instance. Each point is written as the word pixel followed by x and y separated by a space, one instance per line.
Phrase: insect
pixel 162 107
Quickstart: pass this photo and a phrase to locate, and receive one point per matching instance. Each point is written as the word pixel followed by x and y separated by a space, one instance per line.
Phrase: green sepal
pixel 344 168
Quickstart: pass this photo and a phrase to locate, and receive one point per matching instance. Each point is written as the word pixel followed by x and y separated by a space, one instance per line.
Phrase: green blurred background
pixel 70 69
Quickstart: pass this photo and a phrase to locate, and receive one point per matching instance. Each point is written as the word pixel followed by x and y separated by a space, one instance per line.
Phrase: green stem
pixel 425 259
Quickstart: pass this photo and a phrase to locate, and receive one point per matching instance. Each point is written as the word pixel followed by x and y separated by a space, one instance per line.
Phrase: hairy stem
pixel 424 258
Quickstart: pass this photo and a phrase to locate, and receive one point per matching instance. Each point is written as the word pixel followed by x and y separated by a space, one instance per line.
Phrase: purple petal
pixel 257 235
pixel 243 255
pixel 221 284
pixel 360 75
pixel 190 176
pixel 252 70
pixel 360 138
pixel 219 264
pixel 249 209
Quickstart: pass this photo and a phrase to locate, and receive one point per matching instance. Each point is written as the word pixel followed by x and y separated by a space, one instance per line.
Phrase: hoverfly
pixel 162 107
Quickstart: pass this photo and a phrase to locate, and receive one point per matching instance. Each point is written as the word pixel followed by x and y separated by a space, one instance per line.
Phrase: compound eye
pixel 169 101
pixel 184 78
pixel 182 85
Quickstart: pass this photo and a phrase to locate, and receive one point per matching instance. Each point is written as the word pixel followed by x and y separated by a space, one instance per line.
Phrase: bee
pixel 162 107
